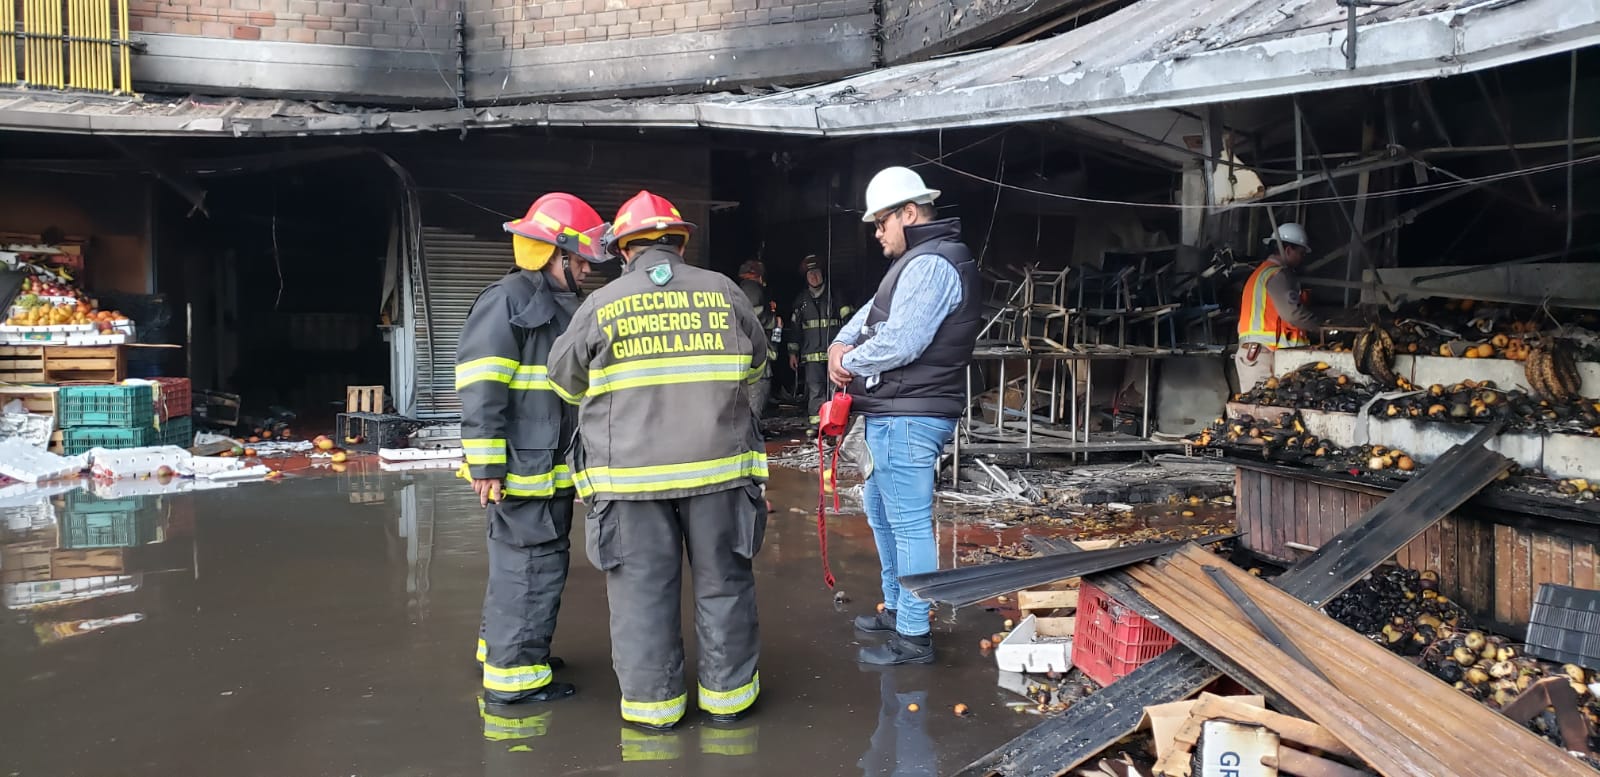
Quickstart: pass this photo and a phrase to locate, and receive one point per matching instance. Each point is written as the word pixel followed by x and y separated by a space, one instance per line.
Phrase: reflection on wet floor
pixel 325 625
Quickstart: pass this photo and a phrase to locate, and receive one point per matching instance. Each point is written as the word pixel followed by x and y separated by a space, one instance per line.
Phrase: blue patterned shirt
pixel 928 291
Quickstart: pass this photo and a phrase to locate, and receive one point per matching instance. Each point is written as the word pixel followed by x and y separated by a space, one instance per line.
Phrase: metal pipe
pixel 1349 34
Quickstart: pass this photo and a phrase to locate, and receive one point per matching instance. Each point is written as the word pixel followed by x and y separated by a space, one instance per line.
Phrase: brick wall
pixel 404 51
pixel 495 25
pixel 380 24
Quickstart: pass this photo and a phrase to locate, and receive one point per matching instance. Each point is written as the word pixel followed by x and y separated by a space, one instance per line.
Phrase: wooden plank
pixel 1299 762
pixel 1046 600
pixel 1412 509
pixel 1304 508
pixel 1449 557
pixel 1505 547
pixel 1088 727
pixel 1543 570
pixel 1561 560
pixel 1408 722
pixel 1296 730
pixel 1055 627
pixel 1433 540
pixel 1521 577
pixel 1062 743
pixel 1584 568
pixel 1468 567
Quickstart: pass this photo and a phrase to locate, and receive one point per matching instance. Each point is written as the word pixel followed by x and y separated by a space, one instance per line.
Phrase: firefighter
pixel 753 282
pixel 813 325
pixel 670 460
pixel 513 432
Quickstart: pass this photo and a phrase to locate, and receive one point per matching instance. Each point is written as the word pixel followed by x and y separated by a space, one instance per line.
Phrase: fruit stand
pixel 60 353
pixel 1340 426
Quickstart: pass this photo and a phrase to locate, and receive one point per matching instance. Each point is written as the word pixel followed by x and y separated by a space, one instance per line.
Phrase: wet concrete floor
pixel 324 625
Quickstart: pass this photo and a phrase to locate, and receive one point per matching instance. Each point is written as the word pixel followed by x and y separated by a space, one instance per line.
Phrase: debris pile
pixel 1316 386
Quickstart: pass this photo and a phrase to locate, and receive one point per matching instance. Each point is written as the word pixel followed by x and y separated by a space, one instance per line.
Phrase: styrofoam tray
pixel 21 461
pixel 133 462
pixel 1024 651
pixel 418 454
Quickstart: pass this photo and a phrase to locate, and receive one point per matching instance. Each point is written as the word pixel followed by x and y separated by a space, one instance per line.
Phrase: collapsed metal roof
pixel 1153 54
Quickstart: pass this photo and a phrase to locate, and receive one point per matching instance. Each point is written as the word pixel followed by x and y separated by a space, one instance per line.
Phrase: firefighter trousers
pixel 529 549
pixel 816 387
pixel 640 545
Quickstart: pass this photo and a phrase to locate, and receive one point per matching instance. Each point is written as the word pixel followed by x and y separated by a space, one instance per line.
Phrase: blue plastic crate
pixel 75 441
pixel 106 406
pixel 107 523
pixel 177 431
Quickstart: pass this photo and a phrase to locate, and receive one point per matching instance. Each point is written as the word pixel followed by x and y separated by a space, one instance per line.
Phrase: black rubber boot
pixel 555 691
pixel 876 622
pixel 899 649
pixel 731 717
pixel 661 728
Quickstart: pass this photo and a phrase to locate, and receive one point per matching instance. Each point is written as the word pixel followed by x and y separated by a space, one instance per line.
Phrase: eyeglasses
pixel 880 222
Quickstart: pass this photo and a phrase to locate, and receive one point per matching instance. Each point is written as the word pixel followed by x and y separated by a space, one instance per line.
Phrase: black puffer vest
pixel 936 383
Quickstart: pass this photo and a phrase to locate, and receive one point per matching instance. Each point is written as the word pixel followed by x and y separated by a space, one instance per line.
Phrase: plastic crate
pixel 106 523
pixel 76 441
pixel 1111 640
pixel 173 399
pixel 375 431
pixel 115 406
pixel 177 431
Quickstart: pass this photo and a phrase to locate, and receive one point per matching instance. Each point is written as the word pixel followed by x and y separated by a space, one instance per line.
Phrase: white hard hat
pixel 895 186
pixel 1291 233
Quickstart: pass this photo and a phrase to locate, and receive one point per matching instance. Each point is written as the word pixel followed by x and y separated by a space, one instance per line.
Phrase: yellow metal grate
pixel 66 44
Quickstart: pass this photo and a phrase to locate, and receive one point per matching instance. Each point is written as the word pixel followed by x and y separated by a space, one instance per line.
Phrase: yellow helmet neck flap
pixel 531 254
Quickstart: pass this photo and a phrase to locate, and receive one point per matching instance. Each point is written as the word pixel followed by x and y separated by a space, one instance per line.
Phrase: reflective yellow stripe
pixel 655 713
pixel 539 485
pixel 488 368
pixel 484 451
pixel 845 312
pixel 497 728
pixel 666 371
pixel 823 323
pixel 816 357
pixel 531 377
pixel 671 477
pixel 1254 318
pixel 556 226
pixel 483 651
pixel 732 742
pixel 567 397
pixel 643 746
pixel 730 702
pixel 514 679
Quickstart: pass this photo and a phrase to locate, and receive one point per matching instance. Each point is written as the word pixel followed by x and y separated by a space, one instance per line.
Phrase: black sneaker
pixel 899 650
pixel 876 622
pixel 552 692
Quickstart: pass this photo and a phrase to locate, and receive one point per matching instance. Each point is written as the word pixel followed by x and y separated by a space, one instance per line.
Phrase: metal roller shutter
pixel 464 249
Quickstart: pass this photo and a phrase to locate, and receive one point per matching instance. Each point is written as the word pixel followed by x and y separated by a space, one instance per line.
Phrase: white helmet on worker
pixel 1291 233
pixel 893 187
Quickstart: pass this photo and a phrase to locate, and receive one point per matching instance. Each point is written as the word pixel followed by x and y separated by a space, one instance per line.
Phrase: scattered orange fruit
pixel 912 707
pixel 985 645
pixel 339 457
pixel 960 710
pixel 249 451
pixel 882 607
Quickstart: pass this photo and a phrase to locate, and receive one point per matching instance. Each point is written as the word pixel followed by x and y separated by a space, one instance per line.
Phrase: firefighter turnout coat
pixel 515 429
pixel 660 360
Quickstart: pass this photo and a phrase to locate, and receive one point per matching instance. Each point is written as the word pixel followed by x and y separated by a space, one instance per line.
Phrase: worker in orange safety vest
pixel 1272 312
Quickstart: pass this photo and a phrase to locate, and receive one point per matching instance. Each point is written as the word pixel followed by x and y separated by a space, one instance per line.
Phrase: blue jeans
pixel 899 503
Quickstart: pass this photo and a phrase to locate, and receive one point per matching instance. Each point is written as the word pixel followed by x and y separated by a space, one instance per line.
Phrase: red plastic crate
pixel 173 398
pixel 1110 640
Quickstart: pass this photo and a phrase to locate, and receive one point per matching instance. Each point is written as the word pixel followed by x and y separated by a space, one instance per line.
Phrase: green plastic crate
pixel 177 431
pixel 106 406
pixel 76 441
pixel 107 523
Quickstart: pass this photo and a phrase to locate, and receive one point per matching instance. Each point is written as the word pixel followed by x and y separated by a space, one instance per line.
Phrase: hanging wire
pixel 1457 182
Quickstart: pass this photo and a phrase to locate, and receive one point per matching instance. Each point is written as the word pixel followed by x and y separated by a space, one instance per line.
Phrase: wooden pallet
pixel 35 399
pixel 363 399
pixel 62 364
pixel 21 364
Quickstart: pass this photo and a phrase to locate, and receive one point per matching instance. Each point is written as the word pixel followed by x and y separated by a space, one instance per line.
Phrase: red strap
pixel 822 510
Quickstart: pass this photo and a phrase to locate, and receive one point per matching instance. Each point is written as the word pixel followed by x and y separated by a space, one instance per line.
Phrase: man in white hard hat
pixel 903 358
pixel 1272 312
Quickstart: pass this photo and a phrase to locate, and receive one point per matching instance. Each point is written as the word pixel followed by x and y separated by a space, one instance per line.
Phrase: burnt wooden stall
pixel 1492 554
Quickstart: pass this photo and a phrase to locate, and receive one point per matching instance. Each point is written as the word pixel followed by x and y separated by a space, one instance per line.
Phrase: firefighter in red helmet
pixel 670 461
pixel 514 432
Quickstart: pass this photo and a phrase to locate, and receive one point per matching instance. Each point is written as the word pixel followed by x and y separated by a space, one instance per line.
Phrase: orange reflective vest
pixel 1258 314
